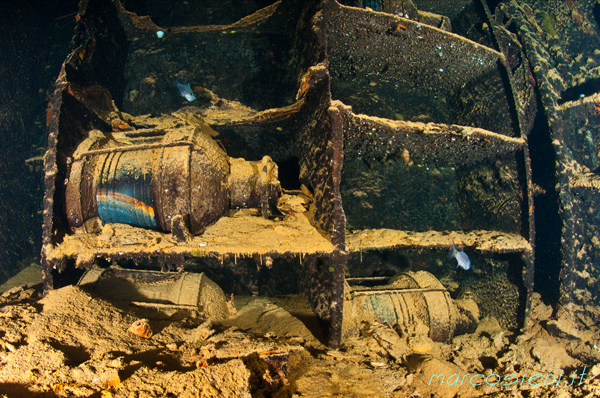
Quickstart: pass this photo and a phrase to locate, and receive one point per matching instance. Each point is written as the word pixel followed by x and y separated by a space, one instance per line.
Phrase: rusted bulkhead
pixel 412 139
pixel 562 46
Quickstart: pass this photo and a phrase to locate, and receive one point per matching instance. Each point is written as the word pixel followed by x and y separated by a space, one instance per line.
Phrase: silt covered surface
pixel 453 176
pixel 400 162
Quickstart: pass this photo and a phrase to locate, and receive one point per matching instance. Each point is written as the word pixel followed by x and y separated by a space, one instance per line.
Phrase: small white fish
pixel 460 256
pixel 186 91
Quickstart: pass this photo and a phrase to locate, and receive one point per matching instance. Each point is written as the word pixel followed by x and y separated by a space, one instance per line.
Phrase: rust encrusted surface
pixel 433 144
pixel 352 104
pixel 482 241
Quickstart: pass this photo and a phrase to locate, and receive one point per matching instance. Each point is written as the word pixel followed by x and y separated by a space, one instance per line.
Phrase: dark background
pixel 34 41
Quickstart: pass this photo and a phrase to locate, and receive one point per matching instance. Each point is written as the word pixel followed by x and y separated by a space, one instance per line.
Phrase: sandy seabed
pixel 71 344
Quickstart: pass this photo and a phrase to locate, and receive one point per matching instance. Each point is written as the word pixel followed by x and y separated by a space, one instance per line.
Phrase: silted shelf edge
pixel 233 237
pixel 479 240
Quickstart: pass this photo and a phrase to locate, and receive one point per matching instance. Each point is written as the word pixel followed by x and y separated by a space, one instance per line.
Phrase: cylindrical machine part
pixel 147 178
pixel 163 291
pixel 403 300
pixel 250 184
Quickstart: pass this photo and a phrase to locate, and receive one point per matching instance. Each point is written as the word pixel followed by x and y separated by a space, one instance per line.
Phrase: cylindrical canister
pixel 146 178
pixel 166 292
pixel 404 300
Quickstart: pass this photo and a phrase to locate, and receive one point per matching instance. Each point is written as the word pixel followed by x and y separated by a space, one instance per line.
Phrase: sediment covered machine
pixel 362 144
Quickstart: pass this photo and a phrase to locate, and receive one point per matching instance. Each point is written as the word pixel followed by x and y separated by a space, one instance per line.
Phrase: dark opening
pixel 492 4
pixel 596 12
pixel 488 362
pixel 547 220
pixel 586 89
pixel 289 173
pixel 69 276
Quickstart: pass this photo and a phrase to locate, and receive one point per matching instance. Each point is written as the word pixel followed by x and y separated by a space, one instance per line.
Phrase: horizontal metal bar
pixel 368 278
pixel 394 291
pixel 131 148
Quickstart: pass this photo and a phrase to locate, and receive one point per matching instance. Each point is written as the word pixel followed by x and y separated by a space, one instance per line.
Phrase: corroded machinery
pixel 154 179
pixel 400 135
pixel 408 301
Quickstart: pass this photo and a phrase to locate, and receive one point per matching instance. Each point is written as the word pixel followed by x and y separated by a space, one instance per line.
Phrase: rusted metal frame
pixel 324 275
pixel 398 135
pixel 368 278
pixel 324 289
pixel 131 148
pixel 524 125
pixel 338 232
pixel 251 19
pixel 321 155
pixel 374 292
pixel 94 16
pixel 549 99
pixel 146 23
pixel 51 171
pixel 273 115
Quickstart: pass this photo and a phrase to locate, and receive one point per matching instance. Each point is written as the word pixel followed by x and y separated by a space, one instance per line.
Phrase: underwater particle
pixel 461 257
pixel 269 262
pixel 133 95
pixel 160 34
pixel 405 156
pixel 141 328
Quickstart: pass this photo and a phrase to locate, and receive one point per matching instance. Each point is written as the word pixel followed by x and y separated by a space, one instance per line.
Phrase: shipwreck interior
pixel 334 150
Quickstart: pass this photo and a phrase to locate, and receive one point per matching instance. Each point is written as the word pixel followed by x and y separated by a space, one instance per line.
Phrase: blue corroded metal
pixel 124 193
